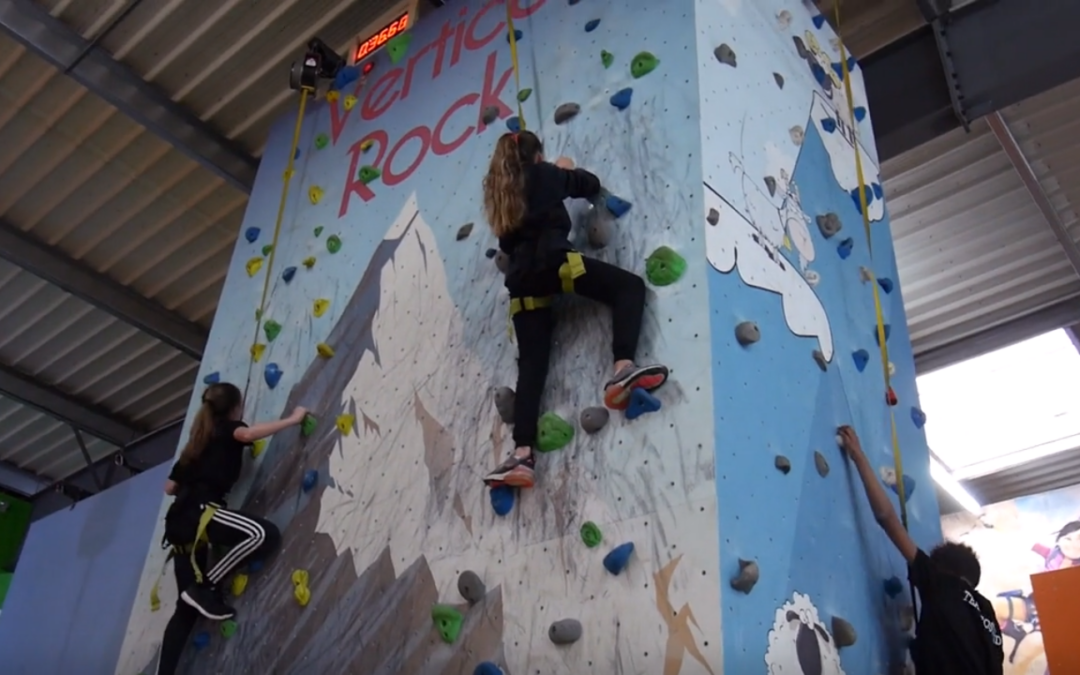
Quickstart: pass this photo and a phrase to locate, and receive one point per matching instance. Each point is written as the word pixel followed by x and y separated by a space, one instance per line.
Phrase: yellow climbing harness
pixel 201 540
pixel 865 208
pixel 512 36
pixel 572 269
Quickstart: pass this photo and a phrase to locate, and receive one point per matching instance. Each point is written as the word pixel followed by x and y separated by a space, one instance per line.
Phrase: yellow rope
pixel 865 208
pixel 304 93
pixel 514 62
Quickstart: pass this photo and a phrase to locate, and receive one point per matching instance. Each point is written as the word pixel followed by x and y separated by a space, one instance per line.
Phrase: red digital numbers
pixel 368 46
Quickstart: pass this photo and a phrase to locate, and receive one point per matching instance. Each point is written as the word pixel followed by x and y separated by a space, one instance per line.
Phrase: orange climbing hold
pixel 321 305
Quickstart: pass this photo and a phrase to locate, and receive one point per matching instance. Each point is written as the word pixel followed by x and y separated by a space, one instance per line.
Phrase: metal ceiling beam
pixel 21 250
pixel 30 23
pixel 66 408
pixel 21 481
pixel 1001 52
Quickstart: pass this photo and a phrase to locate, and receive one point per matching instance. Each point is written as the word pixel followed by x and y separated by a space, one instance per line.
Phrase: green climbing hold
pixel 321 141
pixel 643 64
pixel 333 243
pixel 318 231
pixel 308 424
pixel 368 173
pixel 606 58
pixel 523 95
pixel 267 249
pixel 590 534
pixel 228 628
pixel 272 329
pixel 258 313
pixel 447 621
pixel 664 267
pixel 397 47
pixel 555 433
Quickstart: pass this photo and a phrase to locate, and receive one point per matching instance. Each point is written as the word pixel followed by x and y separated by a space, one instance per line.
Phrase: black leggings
pixel 247 537
pixel 623 291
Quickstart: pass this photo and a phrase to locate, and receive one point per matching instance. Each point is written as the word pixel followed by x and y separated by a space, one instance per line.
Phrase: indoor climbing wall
pixel 386 316
pixel 796 350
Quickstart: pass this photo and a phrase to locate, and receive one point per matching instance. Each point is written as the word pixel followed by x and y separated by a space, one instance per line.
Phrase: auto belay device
pixel 319 63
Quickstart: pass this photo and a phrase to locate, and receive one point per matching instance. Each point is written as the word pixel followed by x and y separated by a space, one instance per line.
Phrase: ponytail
pixel 504 184
pixel 218 402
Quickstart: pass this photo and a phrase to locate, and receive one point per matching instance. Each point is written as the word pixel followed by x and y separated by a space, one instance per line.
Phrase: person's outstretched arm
pixel 880 503
pixel 574 183
pixel 260 430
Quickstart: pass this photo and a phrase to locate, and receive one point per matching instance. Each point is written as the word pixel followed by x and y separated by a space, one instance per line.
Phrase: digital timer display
pixel 369 46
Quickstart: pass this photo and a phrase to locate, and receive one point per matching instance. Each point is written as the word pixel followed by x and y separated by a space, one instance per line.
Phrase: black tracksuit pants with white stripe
pixel 247 537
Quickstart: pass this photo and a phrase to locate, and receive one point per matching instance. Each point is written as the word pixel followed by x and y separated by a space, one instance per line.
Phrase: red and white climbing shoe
pixel 617 390
pixel 515 472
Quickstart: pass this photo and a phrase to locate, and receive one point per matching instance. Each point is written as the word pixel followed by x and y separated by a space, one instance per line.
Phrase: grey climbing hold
pixel 565 631
pixel 599 225
pixel 843 633
pixel 829 224
pixel 566 112
pixel 866 274
pixel 819 359
pixel 726 55
pixel 471 587
pixel 782 464
pixel 504 404
pixel 593 419
pixel 489 114
pixel 746 578
pixel 714 217
pixel 779 79
pixel 502 261
pixel 747 333
pixel 821 464
pixel 464 231
pixel 770 183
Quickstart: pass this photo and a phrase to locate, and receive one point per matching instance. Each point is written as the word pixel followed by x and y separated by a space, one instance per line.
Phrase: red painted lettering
pixel 440 147
pixel 391 177
pixel 490 95
pixel 519 12
pixel 353 184
pixel 381 95
pixel 472 42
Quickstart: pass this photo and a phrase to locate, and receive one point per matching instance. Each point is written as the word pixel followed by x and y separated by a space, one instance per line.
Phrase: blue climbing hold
pixel 851 63
pixel 621 98
pixel 513 124
pixel 254 566
pixel 838 68
pixel 819 73
pixel 888 330
pixel 893 587
pixel 861 357
pixel 251 234
pixel 272 374
pixel 487 667
pixel 828 124
pixel 201 640
pixel 287 274
pixel 615 562
pixel 345 77
pixel 845 247
pixel 918 417
pixel 502 499
pixel 879 192
pixel 517 35
pixel 860 114
pixel 591 25
pixel 212 378
pixel 819 21
pixel 909 487
pixel 296 155
pixel 886 284
pixel 491 253
pixel 574 2
pixel 617 206
pixel 311 478
pixel 641 402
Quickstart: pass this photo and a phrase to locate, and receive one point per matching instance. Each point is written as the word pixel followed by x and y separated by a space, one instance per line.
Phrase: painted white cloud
pixel 836 136
pixel 799 641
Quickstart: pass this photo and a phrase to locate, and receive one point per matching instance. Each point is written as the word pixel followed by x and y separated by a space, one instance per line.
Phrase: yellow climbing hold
pixel 239 584
pixel 345 423
pixel 309 261
pixel 300 578
pixel 289 173
pixel 253 266
pixel 349 102
pixel 321 305
pixel 315 194
pixel 787 242
pixel 300 587
pixel 366 145
pixel 258 447
pixel 324 350
pixel 155 601
pixel 332 95
pixel 257 350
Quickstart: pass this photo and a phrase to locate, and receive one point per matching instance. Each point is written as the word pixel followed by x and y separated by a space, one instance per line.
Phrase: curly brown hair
pixel 504 184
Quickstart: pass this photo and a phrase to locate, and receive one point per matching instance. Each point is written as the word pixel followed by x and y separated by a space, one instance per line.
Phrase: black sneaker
pixel 208 602
pixel 515 472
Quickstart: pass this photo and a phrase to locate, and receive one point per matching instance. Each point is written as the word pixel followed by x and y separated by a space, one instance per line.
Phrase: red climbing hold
pixel 890 397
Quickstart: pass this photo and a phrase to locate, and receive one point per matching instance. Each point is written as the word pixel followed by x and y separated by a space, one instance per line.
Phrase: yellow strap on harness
pixel 514 61
pixel 200 540
pixel 865 208
pixel 573 268
pixel 528 304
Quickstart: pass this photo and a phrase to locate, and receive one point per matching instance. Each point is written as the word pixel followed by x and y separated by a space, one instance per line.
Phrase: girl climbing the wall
pixel 208 468
pixel 523 202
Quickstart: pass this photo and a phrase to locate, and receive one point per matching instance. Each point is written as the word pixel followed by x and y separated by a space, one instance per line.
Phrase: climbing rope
pixel 304 93
pixel 512 36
